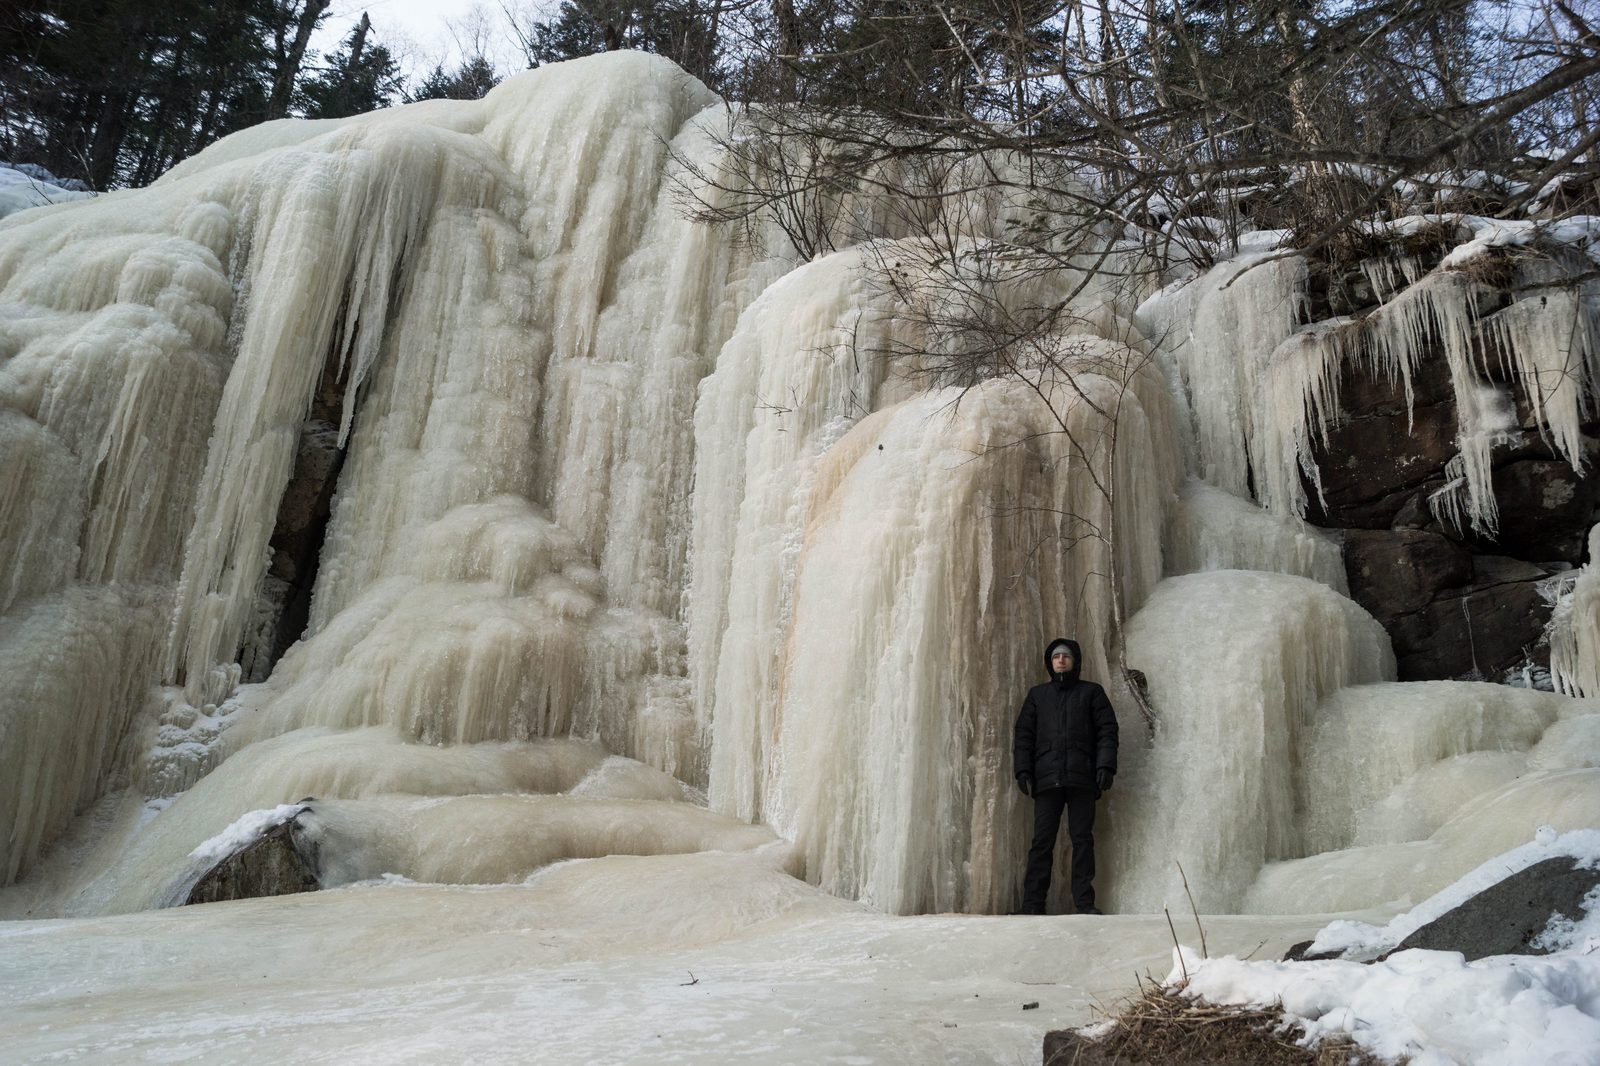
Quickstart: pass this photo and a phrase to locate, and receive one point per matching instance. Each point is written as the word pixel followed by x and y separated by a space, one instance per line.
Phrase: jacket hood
pixel 1077 659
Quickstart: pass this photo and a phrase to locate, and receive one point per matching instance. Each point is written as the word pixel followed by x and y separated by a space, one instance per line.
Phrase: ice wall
pixel 490 279
pixel 521 317
pixel 891 763
pixel 640 538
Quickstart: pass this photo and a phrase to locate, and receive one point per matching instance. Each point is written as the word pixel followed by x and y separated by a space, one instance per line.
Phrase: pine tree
pixel 470 81
pixel 361 76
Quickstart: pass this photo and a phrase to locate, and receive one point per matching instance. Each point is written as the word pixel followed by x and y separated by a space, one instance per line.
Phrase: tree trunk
pixel 788 48
pixel 289 61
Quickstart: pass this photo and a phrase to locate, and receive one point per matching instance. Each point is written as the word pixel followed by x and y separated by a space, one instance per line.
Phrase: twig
pixel 1175 945
pixel 1204 954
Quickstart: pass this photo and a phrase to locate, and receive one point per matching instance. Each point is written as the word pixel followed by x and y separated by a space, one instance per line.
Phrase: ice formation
pixel 1238 662
pixel 1575 629
pixel 638 539
pixel 1264 384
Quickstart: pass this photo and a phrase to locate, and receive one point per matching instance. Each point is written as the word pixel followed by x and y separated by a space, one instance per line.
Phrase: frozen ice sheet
pixel 697 959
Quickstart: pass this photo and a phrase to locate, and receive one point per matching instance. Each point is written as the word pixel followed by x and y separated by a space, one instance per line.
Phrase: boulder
pixel 1482 630
pixel 273 864
pixel 1397 571
pixel 1507 918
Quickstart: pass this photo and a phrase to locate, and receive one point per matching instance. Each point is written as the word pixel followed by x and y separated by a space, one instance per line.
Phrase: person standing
pixel 1064 749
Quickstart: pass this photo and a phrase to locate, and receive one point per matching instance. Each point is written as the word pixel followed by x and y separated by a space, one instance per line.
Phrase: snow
pixel 1430 1007
pixel 1433 1006
pixel 24 187
pixel 248 828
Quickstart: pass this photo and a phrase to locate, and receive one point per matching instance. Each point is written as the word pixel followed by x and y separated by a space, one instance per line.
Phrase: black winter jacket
pixel 1066 729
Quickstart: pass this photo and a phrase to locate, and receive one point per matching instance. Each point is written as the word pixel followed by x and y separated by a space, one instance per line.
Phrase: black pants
pixel 1047 808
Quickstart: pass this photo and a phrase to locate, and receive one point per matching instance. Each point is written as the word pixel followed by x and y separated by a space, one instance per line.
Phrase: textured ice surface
pixel 638 539
pixel 703 958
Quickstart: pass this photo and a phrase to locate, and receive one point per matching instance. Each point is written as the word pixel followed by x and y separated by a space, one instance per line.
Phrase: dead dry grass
pixel 1162 1028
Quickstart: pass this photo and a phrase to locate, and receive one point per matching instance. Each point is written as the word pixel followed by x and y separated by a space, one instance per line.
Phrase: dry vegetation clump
pixel 1163 1028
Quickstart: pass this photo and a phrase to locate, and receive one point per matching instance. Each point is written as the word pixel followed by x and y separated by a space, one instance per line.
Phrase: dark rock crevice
pixel 283 603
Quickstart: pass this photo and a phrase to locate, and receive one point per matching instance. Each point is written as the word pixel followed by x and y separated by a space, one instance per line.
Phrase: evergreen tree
pixel 361 76
pixel 470 81
pixel 116 91
pixel 685 31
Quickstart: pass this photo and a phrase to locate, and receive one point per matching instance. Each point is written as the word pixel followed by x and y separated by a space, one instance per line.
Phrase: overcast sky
pixel 418 31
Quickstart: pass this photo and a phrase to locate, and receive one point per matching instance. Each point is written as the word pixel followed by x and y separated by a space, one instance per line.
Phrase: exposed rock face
pixel 1379 458
pixel 1507 918
pixel 1546 508
pixel 1448 611
pixel 1456 603
pixel 1395 572
pixel 273 865
pixel 283 602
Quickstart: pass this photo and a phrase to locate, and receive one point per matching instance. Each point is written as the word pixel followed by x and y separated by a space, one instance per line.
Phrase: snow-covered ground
pixel 34 187
pixel 695 959
pixel 1434 1008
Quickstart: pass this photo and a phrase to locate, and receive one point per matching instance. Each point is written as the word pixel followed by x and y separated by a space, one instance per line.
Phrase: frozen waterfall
pixel 640 547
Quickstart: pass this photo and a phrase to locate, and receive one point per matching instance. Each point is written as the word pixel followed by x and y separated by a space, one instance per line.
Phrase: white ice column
pixel 946 540
pixel 805 364
pixel 1236 661
pixel 1242 310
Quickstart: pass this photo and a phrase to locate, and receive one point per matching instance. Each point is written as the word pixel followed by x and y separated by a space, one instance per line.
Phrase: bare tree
pixel 1119 137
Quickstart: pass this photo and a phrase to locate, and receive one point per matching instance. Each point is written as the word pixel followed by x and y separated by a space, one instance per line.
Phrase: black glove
pixel 1102 779
pixel 1025 782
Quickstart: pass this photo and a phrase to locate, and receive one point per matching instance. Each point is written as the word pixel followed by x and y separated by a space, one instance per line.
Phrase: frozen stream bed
pixel 588 962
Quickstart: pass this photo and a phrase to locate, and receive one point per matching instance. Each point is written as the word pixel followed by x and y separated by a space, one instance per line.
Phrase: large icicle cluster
pixel 638 538
pixel 1264 385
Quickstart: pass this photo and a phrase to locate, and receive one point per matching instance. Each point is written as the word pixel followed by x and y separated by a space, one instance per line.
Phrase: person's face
pixel 1061 662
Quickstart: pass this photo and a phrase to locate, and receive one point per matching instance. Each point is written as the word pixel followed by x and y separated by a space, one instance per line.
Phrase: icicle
pixel 1243 311
pixel 1551 339
pixel 1297 398
pixel 1574 629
